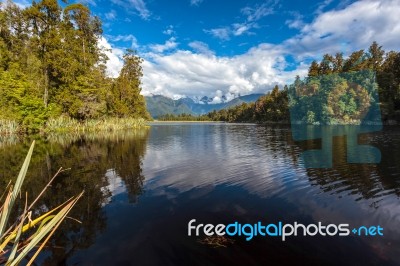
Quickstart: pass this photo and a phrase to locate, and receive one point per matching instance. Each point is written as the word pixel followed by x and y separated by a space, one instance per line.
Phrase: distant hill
pixel 159 105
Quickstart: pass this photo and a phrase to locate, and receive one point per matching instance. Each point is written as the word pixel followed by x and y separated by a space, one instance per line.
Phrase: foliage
pixel 126 89
pixel 337 98
pixel 94 159
pixel 272 107
pixel 51 63
pixel 183 117
pixel 66 124
pixel 14 247
pixel 336 90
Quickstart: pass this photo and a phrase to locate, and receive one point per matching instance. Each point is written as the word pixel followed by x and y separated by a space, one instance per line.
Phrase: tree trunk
pixel 46 88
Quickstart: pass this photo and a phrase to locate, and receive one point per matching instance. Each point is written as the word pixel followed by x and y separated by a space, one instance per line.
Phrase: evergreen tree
pixel 51 64
pixel 127 99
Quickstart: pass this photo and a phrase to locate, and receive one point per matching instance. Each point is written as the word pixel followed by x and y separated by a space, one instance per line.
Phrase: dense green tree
pixel 326 65
pixel 338 63
pixel 389 83
pixel 376 56
pixel 51 64
pixel 314 69
pixel 355 62
pixel 127 87
pixel 336 90
pixel 272 107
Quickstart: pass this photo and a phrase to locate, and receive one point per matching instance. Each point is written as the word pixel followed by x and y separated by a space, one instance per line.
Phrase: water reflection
pixel 215 173
pixel 367 181
pixel 225 166
pixel 100 164
pixel 254 156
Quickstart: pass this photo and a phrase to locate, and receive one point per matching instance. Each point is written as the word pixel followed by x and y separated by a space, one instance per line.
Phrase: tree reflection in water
pixel 367 181
pixel 90 158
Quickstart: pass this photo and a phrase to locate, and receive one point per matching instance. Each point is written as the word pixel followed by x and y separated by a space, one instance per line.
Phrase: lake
pixel 143 187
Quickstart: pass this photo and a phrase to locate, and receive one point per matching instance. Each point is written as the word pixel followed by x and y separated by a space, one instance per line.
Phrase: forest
pixel 52 66
pixel 336 90
pixel 53 73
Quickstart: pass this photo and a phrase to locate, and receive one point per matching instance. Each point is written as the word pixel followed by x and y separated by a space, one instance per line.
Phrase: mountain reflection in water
pixel 143 187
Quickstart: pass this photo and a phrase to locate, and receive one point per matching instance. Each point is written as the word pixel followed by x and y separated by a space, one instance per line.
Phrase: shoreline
pixel 68 125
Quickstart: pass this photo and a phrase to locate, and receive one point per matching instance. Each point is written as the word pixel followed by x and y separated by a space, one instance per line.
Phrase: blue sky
pixel 222 47
pixel 227 27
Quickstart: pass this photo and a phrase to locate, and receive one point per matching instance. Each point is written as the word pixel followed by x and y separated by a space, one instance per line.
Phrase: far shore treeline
pixel 52 67
pixel 53 77
pixel 274 106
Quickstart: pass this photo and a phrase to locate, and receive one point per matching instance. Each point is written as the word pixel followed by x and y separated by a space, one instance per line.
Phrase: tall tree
pixel 375 54
pixel 44 19
pixel 355 62
pixel 127 87
pixel 313 71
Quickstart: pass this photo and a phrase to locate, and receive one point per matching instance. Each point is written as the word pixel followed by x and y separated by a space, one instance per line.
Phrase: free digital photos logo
pixel 280 229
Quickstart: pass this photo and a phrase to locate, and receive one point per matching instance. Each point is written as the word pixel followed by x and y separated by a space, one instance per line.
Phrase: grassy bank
pixel 9 127
pixel 63 124
pixel 69 125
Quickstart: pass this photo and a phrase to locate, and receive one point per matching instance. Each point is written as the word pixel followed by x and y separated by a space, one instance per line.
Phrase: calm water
pixel 142 188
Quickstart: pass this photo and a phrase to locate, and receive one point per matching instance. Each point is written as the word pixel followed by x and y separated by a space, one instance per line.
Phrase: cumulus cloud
pixel 200 72
pixel 185 73
pixel 114 63
pixel 170 44
pixel 354 27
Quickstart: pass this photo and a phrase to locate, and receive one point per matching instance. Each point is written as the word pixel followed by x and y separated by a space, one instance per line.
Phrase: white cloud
pixel 240 28
pixel 111 15
pixel 220 33
pixel 322 6
pixel 259 11
pixel 348 29
pixel 169 30
pixel 170 44
pixel 125 38
pixel 202 73
pixel 252 14
pixel 201 48
pixel 184 73
pixel 114 63
pixel 89 2
pixel 139 6
pixel 19 3
pixel 236 29
pixel 296 22
pixel 195 2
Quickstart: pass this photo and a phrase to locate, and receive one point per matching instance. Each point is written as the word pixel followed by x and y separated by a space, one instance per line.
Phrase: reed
pixel 66 124
pixel 8 127
pixel 14 245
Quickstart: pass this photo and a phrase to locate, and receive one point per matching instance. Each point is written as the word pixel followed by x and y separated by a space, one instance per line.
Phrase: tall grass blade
pixel 51 226
pixel 18 184
pixel 20 226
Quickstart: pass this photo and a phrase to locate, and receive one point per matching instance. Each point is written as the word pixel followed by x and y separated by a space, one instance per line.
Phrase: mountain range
pixel 158 105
